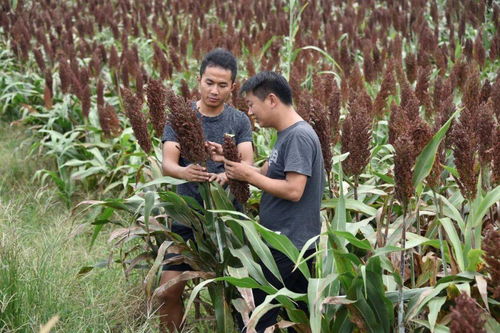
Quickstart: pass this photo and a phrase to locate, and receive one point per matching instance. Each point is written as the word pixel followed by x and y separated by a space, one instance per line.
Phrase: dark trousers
pixel 294 281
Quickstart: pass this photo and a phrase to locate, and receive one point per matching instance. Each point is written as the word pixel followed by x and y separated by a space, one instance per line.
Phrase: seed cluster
pixel 133 106
pixel 187 126
pixel 239 189
pixel 466 316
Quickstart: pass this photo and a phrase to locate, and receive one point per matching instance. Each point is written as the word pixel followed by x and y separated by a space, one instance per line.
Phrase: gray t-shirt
pixel 297 150
pixel 230 121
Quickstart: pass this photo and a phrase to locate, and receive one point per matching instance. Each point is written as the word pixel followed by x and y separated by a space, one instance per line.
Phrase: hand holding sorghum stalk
pixel 187 127
pixel 239 189
pixel 133 110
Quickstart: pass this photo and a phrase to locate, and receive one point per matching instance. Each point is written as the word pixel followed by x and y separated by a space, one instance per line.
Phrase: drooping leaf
pixel 455 241
pixel 434 308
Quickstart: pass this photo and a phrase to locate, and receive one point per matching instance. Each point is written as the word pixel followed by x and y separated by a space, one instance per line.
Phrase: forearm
pixel 280 188
pixel 173 170
pixel 262 170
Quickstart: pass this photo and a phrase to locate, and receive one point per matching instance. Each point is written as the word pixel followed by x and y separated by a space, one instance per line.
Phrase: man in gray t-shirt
pixel 216 82
pixel 292 179
pixel 297 150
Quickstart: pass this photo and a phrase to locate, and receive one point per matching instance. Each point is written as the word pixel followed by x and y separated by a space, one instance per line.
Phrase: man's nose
pixel 214 90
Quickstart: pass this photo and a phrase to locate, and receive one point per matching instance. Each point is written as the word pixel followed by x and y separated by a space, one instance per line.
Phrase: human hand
pixel 220 178
pixel 215 150
pixel 195 173
pixel 239 171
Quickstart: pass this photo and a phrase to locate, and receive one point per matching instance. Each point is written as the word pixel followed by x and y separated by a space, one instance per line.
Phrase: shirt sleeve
pixel 244 133
pixel 169 134
pixel 299 155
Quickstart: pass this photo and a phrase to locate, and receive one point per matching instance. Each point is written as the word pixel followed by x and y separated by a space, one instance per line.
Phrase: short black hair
pixel 220 57
pixel 267 82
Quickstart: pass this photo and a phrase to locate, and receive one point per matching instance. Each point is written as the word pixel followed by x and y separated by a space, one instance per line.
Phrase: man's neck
pixel 287 118
pixel 209 111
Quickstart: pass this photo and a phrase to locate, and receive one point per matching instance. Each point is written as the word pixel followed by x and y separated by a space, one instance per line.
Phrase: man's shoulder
pixel 303 129
pixel 232 110
pixel 235 114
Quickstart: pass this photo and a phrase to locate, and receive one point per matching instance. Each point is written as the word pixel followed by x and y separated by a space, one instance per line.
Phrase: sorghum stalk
pixel 401 327
pixel 404 160
pixel 440 232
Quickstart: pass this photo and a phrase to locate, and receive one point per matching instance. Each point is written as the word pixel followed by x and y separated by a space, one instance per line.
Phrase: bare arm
pixel 171 167
pixel 263 169
pixel 246 151
pixel 291 188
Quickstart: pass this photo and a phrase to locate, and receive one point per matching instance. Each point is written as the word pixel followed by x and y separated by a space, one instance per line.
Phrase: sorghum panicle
pixel 491 248
pixel 133 111
pixel 421 90
pixel 100 92
pixel 485 129
pixel 464 150
pixel 187 126
pixel 398 123
pixel 320 122
pixel 472 90
pixel 479 51
pixel 495 172
pixel 404 160
pixel 495 96
pixel 485 93
pixel 356 138
pixel 387 88
pixel 466 316
pixel 411 67
pixel 110 124
pixel 156 99
pixel 239 189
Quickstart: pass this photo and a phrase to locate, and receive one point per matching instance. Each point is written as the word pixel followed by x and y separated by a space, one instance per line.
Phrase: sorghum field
pixel 404 95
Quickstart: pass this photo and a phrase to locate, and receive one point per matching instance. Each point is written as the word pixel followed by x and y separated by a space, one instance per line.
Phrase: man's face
pixel 215 86
pixel 258 109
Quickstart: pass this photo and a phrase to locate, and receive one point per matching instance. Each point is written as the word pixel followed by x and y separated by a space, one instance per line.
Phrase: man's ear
pixel 273 100
pixel 233 85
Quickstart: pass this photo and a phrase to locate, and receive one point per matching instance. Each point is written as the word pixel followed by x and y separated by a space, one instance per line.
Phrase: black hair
pixel 267 82
pixel 220 57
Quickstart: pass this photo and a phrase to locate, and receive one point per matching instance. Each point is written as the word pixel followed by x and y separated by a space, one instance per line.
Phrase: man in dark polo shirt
pixel 292 179
pixel 216 82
